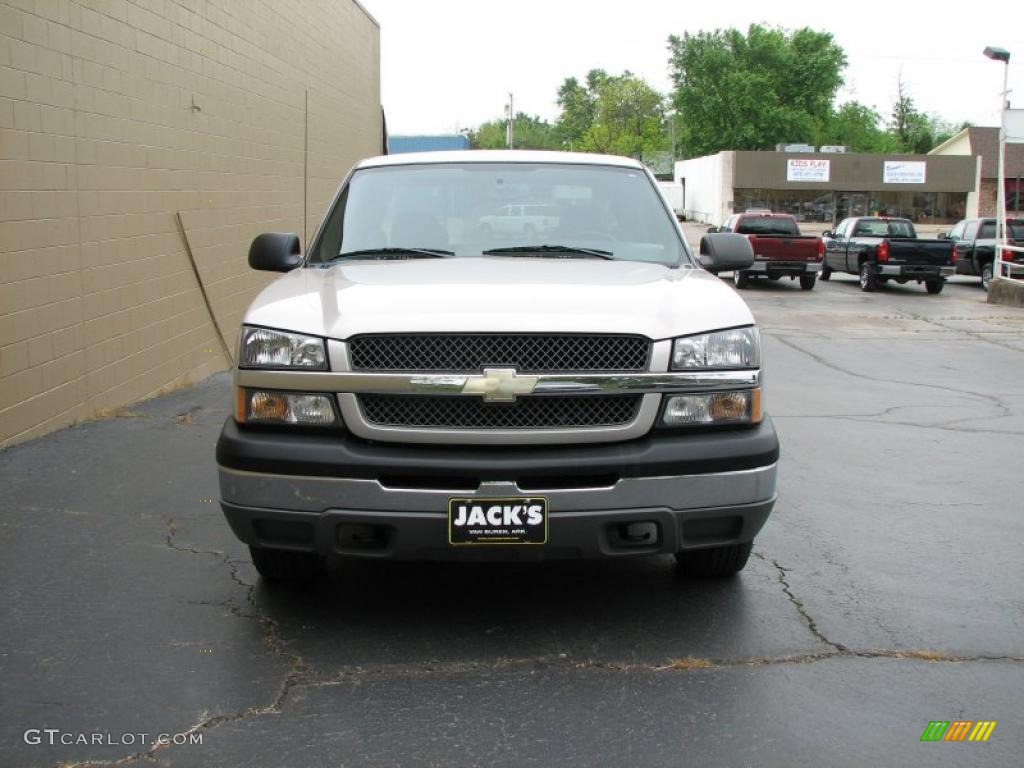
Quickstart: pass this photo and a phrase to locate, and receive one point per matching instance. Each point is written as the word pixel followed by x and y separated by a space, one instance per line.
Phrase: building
pixel 984 143
pixel 114 118
pixel 826 186
pixel 400 144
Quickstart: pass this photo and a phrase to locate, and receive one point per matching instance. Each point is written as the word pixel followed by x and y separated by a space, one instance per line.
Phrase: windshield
pixel 503 209
pixel 1014 230
pixel 884 228
pixel 767 225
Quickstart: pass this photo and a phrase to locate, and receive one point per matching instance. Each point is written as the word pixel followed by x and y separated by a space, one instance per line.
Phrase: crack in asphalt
pixel 302 675
pixel 974 334
pixel 297 668
pixel 798 604
pixel 993 399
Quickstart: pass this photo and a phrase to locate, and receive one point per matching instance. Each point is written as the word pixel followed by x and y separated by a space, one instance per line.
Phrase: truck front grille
pixel 471 353
pixel 529 412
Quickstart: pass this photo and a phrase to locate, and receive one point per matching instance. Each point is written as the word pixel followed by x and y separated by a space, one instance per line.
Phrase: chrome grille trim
pixel 472 352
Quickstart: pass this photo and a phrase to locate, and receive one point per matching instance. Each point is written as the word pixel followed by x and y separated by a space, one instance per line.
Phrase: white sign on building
pixel 806 169
pixel 904 172
pixel 1015 126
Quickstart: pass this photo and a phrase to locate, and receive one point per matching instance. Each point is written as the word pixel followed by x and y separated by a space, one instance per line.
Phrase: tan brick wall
pixel 987 193
pixel 115 114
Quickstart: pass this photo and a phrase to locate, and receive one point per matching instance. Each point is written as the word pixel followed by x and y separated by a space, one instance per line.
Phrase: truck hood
pixel 498 295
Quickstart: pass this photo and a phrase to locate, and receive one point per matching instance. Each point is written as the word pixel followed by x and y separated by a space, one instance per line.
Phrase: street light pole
pixel 511 119
pixel 1003 55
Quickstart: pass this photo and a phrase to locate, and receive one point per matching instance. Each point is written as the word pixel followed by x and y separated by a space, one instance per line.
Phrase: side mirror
pixel 828 233
pixel 275 252
pixel 711 230
pixel 942 236
pixel 724 251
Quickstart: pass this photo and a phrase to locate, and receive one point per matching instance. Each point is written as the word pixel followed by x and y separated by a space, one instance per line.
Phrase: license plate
pixel 506 520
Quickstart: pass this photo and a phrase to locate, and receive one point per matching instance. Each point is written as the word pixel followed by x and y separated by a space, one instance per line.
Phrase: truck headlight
pixel 711 408
pixel 735 348
pixel 265 348
pixel 257 406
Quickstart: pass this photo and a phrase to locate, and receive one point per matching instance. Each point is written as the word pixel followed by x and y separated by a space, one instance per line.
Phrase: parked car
pixel 879 249
pixel 414 391
pixel 521 219
pixel 975 244
pixel 779 248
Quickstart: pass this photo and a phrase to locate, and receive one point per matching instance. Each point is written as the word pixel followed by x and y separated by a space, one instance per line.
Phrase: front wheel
pixel 807 281
pixel 986 276
pixel 740 278
pixel 868 279
pixel 934 286
pixel 714 562
pixel 826 272
pixel 285 565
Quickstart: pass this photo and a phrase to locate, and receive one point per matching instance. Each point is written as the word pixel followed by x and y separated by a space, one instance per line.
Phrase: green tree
pixel 915 131
pixel 752 91
pixel 528 132
pixel 858 127
pixel 613 114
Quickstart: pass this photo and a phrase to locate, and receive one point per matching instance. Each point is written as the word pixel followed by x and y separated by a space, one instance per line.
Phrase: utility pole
pixel 510 113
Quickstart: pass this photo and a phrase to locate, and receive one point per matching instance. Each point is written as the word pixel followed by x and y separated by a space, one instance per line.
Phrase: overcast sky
pixel 449 64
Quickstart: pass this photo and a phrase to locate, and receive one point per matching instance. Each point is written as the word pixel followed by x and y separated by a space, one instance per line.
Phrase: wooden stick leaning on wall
pixel 202 290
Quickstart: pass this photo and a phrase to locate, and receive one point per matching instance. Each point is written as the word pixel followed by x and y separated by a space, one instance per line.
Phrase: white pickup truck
pixel 413 389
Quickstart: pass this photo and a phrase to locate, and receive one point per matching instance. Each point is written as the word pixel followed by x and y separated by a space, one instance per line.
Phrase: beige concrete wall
pixel 115 114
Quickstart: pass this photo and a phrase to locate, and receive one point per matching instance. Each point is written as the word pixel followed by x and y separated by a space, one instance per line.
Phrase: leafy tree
pixel 614 114
pixel 916 132
pixel 736 91
pixel 858 127
pixel 528 132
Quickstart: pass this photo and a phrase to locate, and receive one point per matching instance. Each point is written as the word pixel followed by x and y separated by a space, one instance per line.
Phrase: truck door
pixel 835 247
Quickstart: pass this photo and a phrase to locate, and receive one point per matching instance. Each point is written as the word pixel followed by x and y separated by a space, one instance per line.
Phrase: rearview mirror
pixel 275 252
pixel 724 251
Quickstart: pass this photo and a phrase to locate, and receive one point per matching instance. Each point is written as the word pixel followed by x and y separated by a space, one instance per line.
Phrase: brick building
pixel 116 115
pixel 984 144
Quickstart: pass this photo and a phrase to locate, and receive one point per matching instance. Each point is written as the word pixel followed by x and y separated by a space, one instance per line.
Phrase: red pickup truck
pixel 779 248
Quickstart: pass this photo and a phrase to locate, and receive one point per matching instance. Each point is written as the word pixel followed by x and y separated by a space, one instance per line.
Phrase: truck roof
pixel 498 156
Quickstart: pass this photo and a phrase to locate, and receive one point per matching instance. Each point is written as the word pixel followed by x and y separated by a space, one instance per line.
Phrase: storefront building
pixel 983 142
pixel 827 186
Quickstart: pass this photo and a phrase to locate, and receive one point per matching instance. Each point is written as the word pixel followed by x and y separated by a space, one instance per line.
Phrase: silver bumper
pixel 690 511
pixel 903 270
pixel 764 267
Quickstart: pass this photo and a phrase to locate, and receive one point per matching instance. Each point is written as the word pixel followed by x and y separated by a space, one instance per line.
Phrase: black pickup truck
pixel 879 249
pixel 975 243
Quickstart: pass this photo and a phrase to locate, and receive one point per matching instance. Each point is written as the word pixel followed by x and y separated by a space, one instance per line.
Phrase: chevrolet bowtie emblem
pixel 499 385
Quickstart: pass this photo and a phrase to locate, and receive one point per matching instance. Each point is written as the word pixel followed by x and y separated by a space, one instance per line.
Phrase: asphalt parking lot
pixel 885 591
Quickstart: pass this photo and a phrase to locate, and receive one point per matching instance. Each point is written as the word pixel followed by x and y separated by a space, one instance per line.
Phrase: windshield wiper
pixel 394 253
pixel 554 251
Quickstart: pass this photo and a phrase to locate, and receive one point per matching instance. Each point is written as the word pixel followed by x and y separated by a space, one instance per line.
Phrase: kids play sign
pixel 807 169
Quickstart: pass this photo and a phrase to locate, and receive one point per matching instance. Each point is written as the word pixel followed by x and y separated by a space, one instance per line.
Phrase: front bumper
pixel 770 268
pixel 915 271
pixel 310 492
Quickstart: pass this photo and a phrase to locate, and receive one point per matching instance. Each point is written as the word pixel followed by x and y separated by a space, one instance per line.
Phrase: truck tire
pixel 740 278
pixel 714 562
pixel 868 279
pixel 934 286
pixel 284 565
pixel 807 281
pixel 826 272
pixel 986 276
